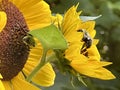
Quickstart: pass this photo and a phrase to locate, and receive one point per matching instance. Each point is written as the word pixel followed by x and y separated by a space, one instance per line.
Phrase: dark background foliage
pixel 108 31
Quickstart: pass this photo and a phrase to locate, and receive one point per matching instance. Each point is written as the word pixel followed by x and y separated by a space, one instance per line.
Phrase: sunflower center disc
pixel 14 52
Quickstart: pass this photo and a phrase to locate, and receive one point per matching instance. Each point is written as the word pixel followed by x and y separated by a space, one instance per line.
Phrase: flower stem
pixel 39 66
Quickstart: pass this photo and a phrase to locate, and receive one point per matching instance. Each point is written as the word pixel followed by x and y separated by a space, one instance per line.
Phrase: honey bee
pixel 86 39
pixel 29 40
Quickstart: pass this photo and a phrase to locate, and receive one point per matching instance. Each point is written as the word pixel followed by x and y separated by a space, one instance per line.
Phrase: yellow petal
pixel 3 20
pixel 45 76
pixel 36 52
pixel 70 21
pixel 93 52
pixel 89 27
pixel 7 85
pixel 73 50
pixel 19 83
pixel 104 74
pixel 1 86
pixel 84 68
pixel 104 63
pixel 1 76
pixel 22 4
pixel 36 12
pixel 57 20
pixel 95 41
pixel 92 69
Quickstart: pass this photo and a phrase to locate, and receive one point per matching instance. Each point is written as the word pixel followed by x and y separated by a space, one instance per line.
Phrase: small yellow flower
pixel 17 60
pixel 83 60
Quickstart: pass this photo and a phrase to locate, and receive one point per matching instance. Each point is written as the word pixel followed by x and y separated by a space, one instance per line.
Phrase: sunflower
pixel 17 60
pixel 82 51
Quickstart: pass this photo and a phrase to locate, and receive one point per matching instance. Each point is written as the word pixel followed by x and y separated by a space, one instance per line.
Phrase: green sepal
pixel 81 79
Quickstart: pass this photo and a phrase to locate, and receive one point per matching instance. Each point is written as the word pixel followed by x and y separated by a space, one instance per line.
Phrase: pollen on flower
pixel 14 52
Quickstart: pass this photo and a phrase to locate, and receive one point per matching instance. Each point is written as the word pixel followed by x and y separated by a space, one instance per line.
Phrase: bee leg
pixel 83 49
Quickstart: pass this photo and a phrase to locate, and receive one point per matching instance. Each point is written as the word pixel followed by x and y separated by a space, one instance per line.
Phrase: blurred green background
pixel 108 31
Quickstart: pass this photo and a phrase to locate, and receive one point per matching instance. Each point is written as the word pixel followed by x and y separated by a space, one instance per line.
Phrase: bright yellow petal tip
pixel 3 20
pixel 70 21
pixel 1 76
pixel 104 74
pixel 1 84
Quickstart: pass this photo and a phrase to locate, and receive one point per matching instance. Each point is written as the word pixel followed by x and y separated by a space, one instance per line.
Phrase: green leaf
pixel 50 37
